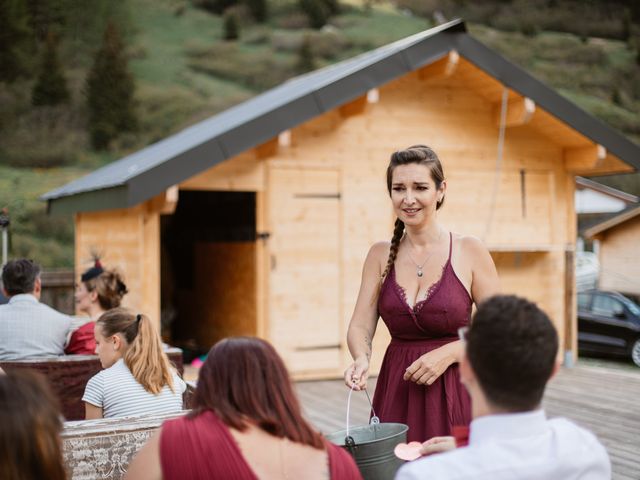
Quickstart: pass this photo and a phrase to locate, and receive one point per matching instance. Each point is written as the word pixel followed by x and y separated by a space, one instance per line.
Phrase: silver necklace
pixel 419 271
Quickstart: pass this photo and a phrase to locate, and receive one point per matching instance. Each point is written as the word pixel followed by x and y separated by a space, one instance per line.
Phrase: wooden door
pixel 304 279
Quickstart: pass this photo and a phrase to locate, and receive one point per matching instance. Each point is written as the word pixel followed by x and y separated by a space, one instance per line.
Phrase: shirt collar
pixel 507 425
pixel 23 297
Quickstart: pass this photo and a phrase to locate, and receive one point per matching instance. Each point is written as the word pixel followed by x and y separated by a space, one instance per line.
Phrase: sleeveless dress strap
pixel 450 245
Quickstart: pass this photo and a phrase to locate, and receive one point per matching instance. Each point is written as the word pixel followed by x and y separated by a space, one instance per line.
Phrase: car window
pixel 632 306
pixel 584 299
pixel 606 305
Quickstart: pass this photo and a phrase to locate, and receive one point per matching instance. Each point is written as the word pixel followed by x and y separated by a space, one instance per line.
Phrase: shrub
pixel 317 12
pixel 259 10
pixel 231 26
pixel 306 61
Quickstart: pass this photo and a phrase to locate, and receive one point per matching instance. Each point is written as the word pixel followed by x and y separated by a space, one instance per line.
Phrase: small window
pixel 584 301
pixel 607 306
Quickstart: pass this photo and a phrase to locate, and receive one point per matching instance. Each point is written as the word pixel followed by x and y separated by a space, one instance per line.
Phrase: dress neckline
pixel 430 292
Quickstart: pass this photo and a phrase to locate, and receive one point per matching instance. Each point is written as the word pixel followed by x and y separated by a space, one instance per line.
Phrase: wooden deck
pixel 603 399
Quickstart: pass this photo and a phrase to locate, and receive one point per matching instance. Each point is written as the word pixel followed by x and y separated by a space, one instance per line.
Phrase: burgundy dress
pixel 82 341
pixel 203 448
pixel 428 410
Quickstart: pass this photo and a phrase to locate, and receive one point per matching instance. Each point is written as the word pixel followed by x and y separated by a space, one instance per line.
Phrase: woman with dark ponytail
pixel 138 376
pixel 423 284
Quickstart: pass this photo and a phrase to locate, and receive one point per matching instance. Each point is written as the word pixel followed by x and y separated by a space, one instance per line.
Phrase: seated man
pixel 510 354
pixel 28 328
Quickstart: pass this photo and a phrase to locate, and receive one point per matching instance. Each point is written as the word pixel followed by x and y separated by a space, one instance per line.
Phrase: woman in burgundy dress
pixel 423 284
pixel 246 424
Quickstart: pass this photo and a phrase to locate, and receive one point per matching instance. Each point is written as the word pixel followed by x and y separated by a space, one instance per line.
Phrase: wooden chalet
pixel 618 248
pixel 257 220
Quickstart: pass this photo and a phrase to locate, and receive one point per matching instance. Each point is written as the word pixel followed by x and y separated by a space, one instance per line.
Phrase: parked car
pixel 609 323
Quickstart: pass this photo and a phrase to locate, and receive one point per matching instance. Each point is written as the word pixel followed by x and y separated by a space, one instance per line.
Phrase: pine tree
pixel 333 6
pixel 231 26
pixel 110 89
pixel 316 11
pixel 259 10
pixel 51 86
pixel 306 61
pixel 16 40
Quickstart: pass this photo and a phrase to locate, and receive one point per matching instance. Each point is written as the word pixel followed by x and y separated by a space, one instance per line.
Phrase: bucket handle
pixel 374 419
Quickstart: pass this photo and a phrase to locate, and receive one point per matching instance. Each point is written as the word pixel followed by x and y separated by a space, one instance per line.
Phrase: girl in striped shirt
pixel 138 377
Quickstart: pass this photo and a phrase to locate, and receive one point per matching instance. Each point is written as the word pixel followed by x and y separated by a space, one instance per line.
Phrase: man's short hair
pixel 19 276
pixel 512 347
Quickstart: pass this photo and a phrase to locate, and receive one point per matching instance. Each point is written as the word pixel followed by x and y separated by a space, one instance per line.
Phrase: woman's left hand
pixel 426 369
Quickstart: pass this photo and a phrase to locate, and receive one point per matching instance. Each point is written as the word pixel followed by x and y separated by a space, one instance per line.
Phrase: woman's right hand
pixel 357 374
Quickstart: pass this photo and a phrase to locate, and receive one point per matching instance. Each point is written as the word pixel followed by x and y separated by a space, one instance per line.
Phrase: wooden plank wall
pixel 619 261
pixel 129 240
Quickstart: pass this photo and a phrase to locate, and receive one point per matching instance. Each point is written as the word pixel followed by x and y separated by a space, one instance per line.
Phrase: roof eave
pixel 524 83
pixel 612 222
pixel 90 201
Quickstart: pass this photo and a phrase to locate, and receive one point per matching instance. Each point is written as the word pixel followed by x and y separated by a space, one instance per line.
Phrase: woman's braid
pixel 398 231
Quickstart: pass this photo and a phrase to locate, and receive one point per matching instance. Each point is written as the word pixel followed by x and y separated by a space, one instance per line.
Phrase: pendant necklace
pixel 419 267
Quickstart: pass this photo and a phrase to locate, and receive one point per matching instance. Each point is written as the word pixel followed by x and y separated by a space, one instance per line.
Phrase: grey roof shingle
pixel 150 171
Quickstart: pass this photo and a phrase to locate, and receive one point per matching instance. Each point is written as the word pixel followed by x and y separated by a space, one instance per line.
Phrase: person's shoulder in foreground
pixel 561 450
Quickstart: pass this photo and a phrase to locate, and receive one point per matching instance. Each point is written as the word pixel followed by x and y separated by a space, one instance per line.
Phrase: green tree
pixel 51 86
pixel 231 26
pixel 259 9
pixel 333 6
pixel 46 16
pixel 16 40
pixel 316 11
pixel 110 92
pixel 215 6
pixel 306 60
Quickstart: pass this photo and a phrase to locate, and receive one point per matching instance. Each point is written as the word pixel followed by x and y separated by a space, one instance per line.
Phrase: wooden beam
pixel 165 203
pixel 584 159
pixel 353 107
pixel 445 67
pixel 520 111
pixel 267 149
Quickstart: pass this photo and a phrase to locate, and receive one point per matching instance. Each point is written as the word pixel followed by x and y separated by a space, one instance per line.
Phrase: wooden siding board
pixel 619 259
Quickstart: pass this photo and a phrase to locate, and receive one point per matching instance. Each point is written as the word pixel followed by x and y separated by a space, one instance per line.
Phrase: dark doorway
pixel 208 269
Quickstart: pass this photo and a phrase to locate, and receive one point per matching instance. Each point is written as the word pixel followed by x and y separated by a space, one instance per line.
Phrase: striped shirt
pixel 119 394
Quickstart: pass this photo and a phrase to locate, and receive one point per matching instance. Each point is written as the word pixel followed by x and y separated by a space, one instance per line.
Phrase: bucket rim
pixel 342 433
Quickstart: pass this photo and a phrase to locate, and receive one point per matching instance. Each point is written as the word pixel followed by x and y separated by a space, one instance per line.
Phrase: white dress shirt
pixel 522 446
pixel 29 329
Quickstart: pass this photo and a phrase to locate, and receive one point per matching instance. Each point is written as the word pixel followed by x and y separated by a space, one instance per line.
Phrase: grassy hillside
pixel 184 72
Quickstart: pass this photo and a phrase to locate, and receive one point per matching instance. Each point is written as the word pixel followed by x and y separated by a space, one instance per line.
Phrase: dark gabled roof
pixel 621 217
pixel 148 172
pixel 607 190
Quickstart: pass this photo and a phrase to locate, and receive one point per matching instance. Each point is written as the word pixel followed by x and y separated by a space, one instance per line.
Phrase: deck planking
pixel 602 399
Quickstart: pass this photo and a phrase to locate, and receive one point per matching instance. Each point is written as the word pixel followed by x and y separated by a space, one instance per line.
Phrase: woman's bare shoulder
pixel 377 256
pixel 380 249
pixel 469 243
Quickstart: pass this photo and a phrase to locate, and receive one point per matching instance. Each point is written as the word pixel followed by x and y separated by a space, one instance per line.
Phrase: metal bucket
pixel 371 446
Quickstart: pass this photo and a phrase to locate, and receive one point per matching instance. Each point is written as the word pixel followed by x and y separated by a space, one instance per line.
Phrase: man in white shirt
pixel 510 353
pixel 29 328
